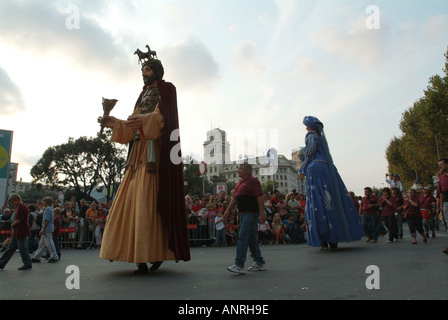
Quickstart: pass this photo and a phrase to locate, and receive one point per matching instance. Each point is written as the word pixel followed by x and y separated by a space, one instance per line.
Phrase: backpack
pixel 39 219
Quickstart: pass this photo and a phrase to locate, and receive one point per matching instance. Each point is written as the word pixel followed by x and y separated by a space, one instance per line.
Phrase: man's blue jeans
pixel 370 223
pixel 248 239
pixel 22 245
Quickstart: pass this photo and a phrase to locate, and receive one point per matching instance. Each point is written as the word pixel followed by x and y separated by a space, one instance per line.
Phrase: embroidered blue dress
pixel 330 213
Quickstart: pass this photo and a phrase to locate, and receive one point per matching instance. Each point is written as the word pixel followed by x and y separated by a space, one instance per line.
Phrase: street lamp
pixel 437 147
pixel 415 163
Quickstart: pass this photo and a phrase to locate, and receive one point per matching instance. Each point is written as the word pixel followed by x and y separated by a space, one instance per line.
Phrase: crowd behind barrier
pixel 286 220
pixel 76 226
pixel 208 227
pixel 82 224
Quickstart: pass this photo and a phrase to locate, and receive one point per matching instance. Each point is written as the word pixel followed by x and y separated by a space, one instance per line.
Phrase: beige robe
pixel 134 231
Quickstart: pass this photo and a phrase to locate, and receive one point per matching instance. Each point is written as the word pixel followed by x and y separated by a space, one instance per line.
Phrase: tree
pixel 36 192
pixel 83 165
pixel 112 171
pixel 424 138
pixel 268 187
pixel 193 182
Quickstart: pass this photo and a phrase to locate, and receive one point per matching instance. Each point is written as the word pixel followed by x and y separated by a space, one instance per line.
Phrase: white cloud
pixel 264 65
pixel 435 28
pixel 356 44
pixel 245 61
pixel 308 70
pixel 190 65
pixel 11 99
pixel 40 28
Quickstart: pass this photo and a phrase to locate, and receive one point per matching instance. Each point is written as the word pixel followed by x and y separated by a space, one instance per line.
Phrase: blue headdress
pixel 314 124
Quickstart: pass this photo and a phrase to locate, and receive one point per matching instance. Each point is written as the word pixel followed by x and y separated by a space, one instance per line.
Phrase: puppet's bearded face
pixel 148 75
pixel 152 71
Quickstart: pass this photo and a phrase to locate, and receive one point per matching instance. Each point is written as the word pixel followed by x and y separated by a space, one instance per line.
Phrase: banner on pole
pixel 5 159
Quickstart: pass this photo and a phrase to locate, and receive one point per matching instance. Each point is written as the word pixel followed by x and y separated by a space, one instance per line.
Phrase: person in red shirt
pixel 302 201
pixel 231 233
pixel 414 216
pixel 355 201
pixel 427 201
pixel 388 213
pixel 369 210
pixel 398 210
pixel 275 200
pixel 250 201
pixel 20 231
pixel 442 192
pixel 197 206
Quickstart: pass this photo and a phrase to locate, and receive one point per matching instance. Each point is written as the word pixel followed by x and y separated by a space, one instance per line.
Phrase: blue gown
pixel 330 213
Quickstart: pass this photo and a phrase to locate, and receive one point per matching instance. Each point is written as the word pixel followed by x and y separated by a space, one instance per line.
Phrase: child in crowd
pixel 220 229
pixel 294 232
pixel 231 233
pixel 264 231
pixel 278 229
pixel 73 219
pixel 211 214
pixel 99 227
pixel 282 207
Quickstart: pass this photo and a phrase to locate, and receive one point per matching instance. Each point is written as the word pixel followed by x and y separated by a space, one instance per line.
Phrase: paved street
pixel 294 272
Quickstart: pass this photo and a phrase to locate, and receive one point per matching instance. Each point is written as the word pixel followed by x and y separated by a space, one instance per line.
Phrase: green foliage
pixel 82 165
pixel 194 185
pixel 424 138
pixel 36 192
pixel 268 187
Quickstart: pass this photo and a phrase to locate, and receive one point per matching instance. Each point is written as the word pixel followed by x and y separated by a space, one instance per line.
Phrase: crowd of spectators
pixel 82 223
pixel 382 213
pixel 285 223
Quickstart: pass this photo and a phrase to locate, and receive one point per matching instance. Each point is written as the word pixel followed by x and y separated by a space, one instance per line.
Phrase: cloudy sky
pixel 254 65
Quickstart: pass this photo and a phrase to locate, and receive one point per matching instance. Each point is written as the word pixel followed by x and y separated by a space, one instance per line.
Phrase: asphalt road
pixel 295 272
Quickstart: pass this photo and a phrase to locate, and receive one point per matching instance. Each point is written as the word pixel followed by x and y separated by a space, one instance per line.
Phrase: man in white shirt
pixel 395 182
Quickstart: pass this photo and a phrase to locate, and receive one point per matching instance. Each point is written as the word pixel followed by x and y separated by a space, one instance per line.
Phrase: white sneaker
pixel 236 269
pixel 257 267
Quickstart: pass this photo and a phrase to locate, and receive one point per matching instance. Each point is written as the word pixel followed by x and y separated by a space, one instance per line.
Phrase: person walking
pixel 442 192
pixel 370 218
pixel 389 204
pixel 250 202
pixel 427 202
pixel 330 214
pixel 34 226
pixel 399 203
pixel 46 233
pixel 414 216
pixel 20 231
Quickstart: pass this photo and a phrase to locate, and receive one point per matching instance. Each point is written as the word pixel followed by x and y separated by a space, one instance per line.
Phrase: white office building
pixel 220 167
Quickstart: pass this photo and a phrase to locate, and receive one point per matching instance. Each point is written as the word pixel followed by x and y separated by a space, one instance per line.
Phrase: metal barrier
pixel 5 231
pixel 78 236
pixel 70 236
pixel 199 234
